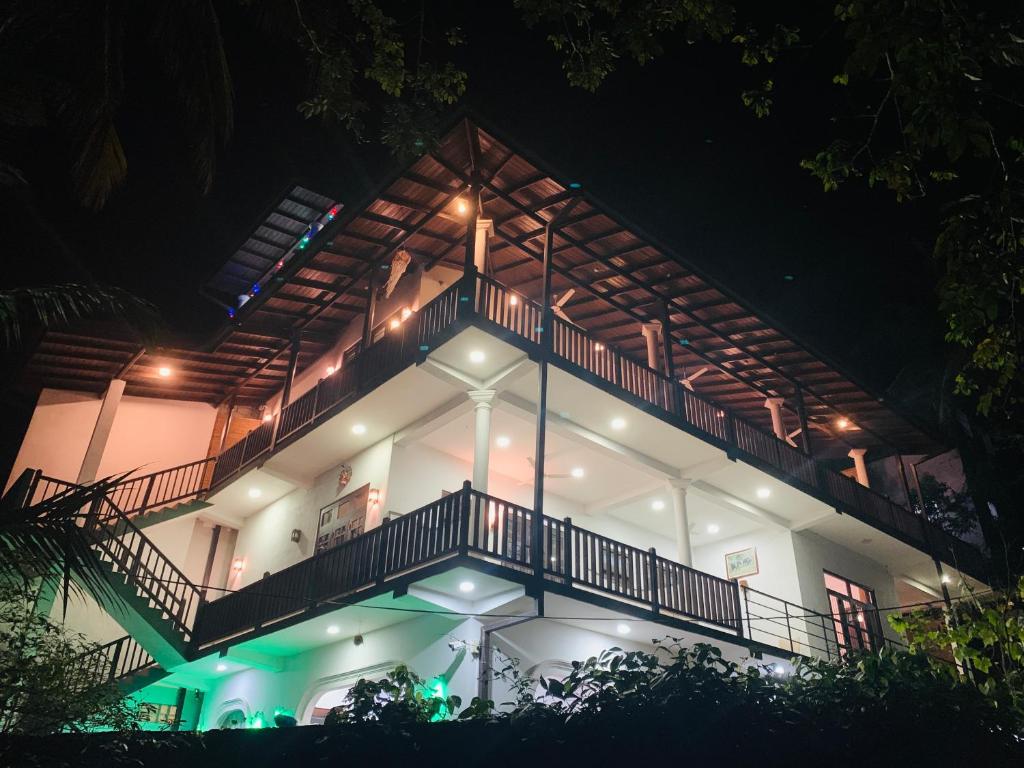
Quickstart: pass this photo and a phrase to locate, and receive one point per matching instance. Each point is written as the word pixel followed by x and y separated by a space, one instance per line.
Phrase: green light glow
pixel 258 721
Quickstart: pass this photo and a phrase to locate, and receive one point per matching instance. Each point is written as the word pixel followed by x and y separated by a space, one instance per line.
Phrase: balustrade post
pixel 145 497
pixel 465 500
pixel 824 636
pixel 114 661
pixel 789 626
pixel 567 550
pixel 736 603
pixel 730 430
pixel 746 610
pixel 677 393
pixel 380 566
pixel 652 566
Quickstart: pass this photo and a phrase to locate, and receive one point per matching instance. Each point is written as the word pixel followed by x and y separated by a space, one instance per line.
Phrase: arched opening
pixel 327 701
pixel 231 720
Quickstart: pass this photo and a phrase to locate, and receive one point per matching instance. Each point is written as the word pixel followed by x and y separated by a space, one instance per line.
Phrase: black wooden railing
pixel 474 524
pixel 114 660
pixel 130 554
pixel 513 315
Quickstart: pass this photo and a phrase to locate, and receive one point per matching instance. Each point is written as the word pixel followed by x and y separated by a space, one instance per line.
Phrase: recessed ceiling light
pixel 477 356
pixel 222 667
pixel 255 493
pixel 395 322
pixel 577 472
pixel 333 629
pixel 502 441
pixel 618 423
pixel 330 370
pixel 763 493
pixel 461 205
pixel 268 417
pixel 842 423
pixel 466 586
pixel 164 371
pixel 713 528
pixel 358 429
pixel 657 505
pixel 513 300
pixel 945 578
pixel 624 629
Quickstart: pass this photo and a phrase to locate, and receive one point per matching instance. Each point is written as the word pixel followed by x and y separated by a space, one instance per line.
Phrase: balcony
pixel 513 318
pixel 475 530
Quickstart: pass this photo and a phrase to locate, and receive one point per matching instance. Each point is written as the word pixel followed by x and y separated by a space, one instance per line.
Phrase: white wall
pixel 58 434
pixel 815 554
pixel 264 542
pixel 148 434
pixel 777 574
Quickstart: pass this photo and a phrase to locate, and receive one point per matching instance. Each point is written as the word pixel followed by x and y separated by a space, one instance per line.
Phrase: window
pixel 854 614
pixel 160 713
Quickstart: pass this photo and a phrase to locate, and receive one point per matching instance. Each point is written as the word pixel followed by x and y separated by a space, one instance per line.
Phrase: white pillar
pixel 684 553
pixel 857 454
pixel 101 431
pixel 484 229
pixel 650 332
pixel 484 399
pixel 774 404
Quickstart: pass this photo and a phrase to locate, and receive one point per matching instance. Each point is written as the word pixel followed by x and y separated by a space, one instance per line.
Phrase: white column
pixel 484 229
pixel 101 431
pixel 857 454
pixel 684 553
pixel 484 399
pixel 774 404
pixel 650 332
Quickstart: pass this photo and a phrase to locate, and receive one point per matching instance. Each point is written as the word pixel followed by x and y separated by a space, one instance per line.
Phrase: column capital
pixel 774 402
pixel 482 397
pixel 651 328
pixel 680 483
pixel 857 453
pixel 485 224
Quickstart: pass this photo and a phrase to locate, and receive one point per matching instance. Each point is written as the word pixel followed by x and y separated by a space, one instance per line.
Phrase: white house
pixel 476 411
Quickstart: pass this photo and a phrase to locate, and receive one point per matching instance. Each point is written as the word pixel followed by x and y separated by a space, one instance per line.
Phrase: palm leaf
pixel 47 541
pixel 57 305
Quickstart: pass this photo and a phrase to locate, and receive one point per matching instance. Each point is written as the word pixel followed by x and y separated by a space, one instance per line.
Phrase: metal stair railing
pixel 114 660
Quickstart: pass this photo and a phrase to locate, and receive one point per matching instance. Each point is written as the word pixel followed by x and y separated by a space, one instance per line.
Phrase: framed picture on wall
pixel 342 519
pixel 741 563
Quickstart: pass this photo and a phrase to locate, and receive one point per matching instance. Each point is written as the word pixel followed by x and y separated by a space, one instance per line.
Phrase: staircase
pixel 158 603
pixel 123 661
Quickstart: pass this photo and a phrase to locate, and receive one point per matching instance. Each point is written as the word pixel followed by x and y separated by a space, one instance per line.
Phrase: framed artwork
pixel 741 563
pixel 343 519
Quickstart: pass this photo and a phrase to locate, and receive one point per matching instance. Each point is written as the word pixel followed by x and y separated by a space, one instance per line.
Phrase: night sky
pixel 670 145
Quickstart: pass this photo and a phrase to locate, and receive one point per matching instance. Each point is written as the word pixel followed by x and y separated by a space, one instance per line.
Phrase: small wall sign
pixel 741 563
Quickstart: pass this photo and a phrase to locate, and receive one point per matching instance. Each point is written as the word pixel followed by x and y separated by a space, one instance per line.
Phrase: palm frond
pixel 47 541
pixel 56 305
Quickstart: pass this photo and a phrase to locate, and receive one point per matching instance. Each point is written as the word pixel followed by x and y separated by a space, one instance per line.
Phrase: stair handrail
pixel 116 659
pixel 150 480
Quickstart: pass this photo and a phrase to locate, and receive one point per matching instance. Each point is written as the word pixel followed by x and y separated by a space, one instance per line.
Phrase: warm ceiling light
pixel 255 493
pixel 503 441
pixel 237 564
pixel 618 423
pixel 598 347
pixel 713 528
pixel 395 322
pixel 406 313
pixel 222 667
pixel 330 369
pixel 476 356
pixel 577 472
pixel 843 423
pixel 461 206
pixel 624 629
pixel 763 493
pixel 358 429
pixel 513 300
pixel 268 417
pixel 333 629
pixel 657 505
pixel 466 586
pixel 945 578
pixel 164 371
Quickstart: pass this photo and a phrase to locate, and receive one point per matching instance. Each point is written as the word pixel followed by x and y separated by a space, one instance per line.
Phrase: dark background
pixel 669 144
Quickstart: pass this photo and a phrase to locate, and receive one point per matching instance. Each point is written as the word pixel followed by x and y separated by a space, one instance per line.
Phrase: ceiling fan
pixel 560 302
pixel 687 381
pixel 552 475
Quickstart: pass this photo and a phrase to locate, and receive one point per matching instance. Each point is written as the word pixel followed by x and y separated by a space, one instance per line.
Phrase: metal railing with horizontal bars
pixel 479 526
pixel 114 661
